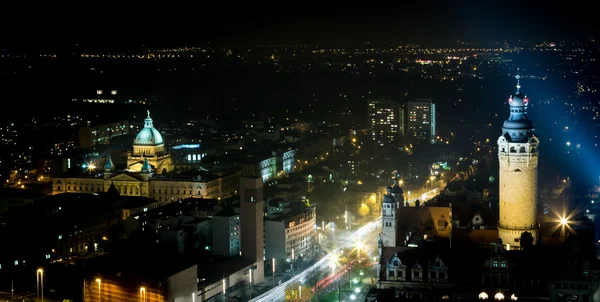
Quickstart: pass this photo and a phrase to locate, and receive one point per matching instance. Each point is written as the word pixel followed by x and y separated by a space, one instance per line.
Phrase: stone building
pixel 518 156
pixel 149 174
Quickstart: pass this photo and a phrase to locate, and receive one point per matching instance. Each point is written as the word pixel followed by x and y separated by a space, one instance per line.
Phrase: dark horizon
pixel 306 23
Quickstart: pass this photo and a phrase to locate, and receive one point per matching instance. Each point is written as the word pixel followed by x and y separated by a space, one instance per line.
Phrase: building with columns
pixel 518 155
pixel 148 174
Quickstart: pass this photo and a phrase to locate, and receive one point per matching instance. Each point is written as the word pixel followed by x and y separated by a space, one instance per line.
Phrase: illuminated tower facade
pixel 518 156
pixel 388 212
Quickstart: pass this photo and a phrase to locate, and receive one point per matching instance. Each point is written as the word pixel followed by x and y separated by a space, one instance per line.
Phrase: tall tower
pixel 388 213
pixel 252 224
pixel 518 156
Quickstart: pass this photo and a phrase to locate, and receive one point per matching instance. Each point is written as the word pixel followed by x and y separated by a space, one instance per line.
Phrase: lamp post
pixel 91 167
pixel 293 260
pixel 142 293
pixel 40 283
pixel 273 271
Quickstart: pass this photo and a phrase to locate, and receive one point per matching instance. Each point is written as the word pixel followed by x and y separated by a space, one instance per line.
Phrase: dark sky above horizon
pixel 166 24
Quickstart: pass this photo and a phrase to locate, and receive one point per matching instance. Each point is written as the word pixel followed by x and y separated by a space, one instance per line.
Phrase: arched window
pixel 522 150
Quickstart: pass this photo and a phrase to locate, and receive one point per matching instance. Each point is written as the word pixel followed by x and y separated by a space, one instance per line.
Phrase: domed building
pixel 149 145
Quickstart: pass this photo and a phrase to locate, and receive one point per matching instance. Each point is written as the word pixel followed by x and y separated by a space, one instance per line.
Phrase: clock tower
pixel 518 156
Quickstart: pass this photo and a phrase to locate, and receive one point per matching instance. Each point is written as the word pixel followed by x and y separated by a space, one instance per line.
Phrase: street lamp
pixel 40 283
pixel 91 167
pixel 273 271
pixel 293 260
pixel 142 293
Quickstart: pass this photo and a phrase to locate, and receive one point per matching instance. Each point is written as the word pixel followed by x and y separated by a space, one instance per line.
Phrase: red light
pixel 525 100
pixel 509 100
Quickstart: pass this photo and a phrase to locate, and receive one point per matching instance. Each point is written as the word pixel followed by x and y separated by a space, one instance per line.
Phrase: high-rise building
pixel 518 156
pixel 252 224
pixel 421 120
pixel 383 121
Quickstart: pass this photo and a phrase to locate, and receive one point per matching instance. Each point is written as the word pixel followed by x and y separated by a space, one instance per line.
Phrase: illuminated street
pixel 367 235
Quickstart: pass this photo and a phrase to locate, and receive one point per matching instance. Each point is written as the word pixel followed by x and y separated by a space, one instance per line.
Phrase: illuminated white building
pixel 140 179
pixel 292 229
pixel 149 145
pixel 270 167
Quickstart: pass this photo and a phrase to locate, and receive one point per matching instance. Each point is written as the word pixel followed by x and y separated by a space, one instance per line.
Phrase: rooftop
pixel 10 192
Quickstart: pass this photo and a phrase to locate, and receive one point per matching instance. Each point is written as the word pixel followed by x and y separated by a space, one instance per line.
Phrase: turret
pixel 518 183
pixel 388 213
pixel 146 168
pixel 109 166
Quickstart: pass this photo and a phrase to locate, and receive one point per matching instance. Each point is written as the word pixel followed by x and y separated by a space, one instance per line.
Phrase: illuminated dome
pixel 518 128
pixel 149 135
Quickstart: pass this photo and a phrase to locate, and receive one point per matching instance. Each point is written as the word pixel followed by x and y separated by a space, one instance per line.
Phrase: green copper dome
pixel 149 135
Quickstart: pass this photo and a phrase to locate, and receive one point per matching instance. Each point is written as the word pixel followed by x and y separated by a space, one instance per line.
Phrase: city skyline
pixel 300 152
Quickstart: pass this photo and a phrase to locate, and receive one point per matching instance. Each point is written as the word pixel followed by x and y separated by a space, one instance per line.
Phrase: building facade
pixel 292 231
pixel 389 227
pixel 421 120
pixel 163 189
pixel 518 157
pixel 226 239
pixel 140 177
pixel 383 121
pixel 102 134
pixel 270 167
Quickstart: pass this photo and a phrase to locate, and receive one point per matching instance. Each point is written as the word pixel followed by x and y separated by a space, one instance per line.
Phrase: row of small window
pixel 172 191
pixel 572 286
pixel 81 189
pixel 502 263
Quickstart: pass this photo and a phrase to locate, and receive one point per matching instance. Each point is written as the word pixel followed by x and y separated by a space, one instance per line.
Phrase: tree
pixel 297 292
pixel 526 240
pixel 364 210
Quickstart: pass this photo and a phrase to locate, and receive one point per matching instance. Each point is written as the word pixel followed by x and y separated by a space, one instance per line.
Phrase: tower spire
pixel 518 77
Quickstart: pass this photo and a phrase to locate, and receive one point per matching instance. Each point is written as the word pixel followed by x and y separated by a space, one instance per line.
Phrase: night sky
pixel 168 24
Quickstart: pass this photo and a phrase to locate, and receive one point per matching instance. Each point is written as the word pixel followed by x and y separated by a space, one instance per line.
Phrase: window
pixel 503 264
pixel 495 264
